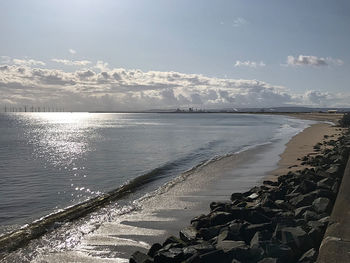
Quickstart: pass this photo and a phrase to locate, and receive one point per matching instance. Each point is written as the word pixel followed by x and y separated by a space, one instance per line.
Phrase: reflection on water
pixel 52 160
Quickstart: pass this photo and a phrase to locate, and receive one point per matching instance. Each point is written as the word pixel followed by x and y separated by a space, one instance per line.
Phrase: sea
pixel 51 161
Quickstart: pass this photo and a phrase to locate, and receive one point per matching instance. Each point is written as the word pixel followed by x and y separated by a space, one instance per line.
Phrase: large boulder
pixel 220 218
pixel 294 237
pixel 188 234
pixel 322 205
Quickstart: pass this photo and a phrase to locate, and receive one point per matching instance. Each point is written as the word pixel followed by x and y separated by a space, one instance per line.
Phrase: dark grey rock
pixel 213 256
pixel 322 205
pixel 307 186
pixel 325 183
pixel 303 200
pixel 335 187
pixel 220 206
pixel 172 255
pixel 301 210
pixel 202 247
pixel 252 229
pixel 188 234
pixel 333 170
pixel 154 248
pixel 210 232
pixel 200 221
pixel 277 250
pixel 310 215
pixel 324 220
pixel 268 260
pixel 236 196
pixel 272 183
pixel 309 256
pixel 230 245
pixel 175 241
pixel 139 257
pixel 220 218
pixel 295 237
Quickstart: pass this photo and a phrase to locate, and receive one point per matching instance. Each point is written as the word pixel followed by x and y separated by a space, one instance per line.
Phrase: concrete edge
pixel 335 246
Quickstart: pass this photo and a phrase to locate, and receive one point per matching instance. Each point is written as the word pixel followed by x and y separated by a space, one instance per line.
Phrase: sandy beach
pixel 302 144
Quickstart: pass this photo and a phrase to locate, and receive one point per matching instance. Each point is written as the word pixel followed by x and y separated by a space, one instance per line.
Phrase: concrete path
pixel 335 246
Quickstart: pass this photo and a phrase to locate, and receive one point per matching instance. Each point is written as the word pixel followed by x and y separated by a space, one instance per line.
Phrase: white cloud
pixel 71 62
pixel 103 66
pixel 250 64
pixel 99 87
pixel 72 51
pixel 239 21
pixel 302 60
pixel 28 62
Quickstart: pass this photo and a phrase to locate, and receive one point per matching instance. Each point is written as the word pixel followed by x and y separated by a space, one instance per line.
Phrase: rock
pixel 236 196
pixel 213 256
pixel 220 206
pixel 310 215
pixel 322 205
pixel 316 235
pixel 241 204
pixel 139 257
pixel 309 256
pixel 202 247
pixel 280 251
pixel 210 232
pixel 301 210
pixel 256 217
pixel 324 220
pixel 173 255
pixel 272 183
pixel 333 170
pixel 220 218
pixel 303 200
pixel 324 193
pixel 307 186
pixel 259 237
pixel 224 235
pixel 252 229
pixel 193 259
pixel 253 196
pixel 154 248
pixel 268 260
pixel 325 183
pixel 335 187
pixel 236 229
pixel 175 241
pixel 200 221
pixel 230 245
pixel 188 234
pixel 295 237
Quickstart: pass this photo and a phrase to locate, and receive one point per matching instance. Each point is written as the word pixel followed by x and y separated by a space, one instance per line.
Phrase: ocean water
pixel 49 161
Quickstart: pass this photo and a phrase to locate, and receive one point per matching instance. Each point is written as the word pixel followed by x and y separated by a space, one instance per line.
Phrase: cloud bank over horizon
pixel 99 87
pixel 302 60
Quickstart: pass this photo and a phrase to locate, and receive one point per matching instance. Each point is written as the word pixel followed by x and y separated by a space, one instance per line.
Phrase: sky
pixel 160 54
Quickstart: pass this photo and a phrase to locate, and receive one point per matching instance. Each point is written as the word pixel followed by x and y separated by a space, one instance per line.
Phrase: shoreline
pixel 203 207
pixel 280 220
pixel 301 145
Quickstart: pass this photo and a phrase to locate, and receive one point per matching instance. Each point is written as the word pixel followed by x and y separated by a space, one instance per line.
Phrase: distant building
pixel 332 111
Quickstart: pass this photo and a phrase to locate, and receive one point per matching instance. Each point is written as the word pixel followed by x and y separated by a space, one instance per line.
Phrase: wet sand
pixel 168 210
